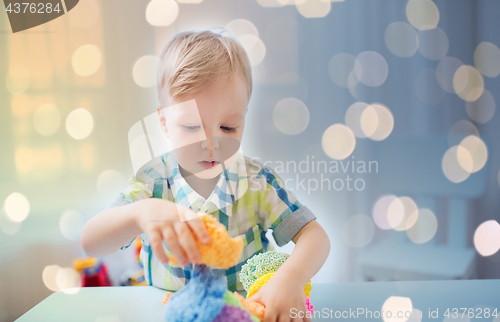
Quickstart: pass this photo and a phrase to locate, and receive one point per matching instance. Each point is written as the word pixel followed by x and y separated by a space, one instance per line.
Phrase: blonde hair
pixel 196 60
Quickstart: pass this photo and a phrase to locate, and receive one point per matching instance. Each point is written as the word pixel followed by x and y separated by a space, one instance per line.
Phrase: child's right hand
pixel 160 220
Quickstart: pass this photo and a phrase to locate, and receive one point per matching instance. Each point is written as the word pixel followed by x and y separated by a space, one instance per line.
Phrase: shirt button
pixel 199 204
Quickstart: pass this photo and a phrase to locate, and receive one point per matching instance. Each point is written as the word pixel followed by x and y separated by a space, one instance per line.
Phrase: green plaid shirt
pixel 248 199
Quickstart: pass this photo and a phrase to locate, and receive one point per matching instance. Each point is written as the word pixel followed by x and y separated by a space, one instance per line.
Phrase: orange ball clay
pixel 223 251
pixel 255 308
pixel 167 297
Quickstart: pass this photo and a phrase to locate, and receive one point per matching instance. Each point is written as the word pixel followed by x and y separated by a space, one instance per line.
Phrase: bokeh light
pixel 487 238
pixel 16 207
pixel 313 8
pixel 338 141
pixel 84 15
pixel 241 27
pixel 395 304
pixel 290 116
pixel 477 150
pixel 362 119
pixel 460 131
pixel 433 43
pixel 468 83
pixel 254 47
pixel 49 277
pixel 422 14
pixel 40 163
pixel 109 183
pixel 144 71
pixel 371 68
pixel 47 119
pixel 71 224
pixel 68 280
pixel 86 60
pixel 427 87
pixel 385 122
pixel 162 13
pixel 339 68
pixel 21 105
pixel 18 79
pixel 483 109
pixel 401 39
pixel 487 59
pixel 272 3
pixel 408 213
pixel 445 71
pixel 369 121
pixel 452 168
pixel 425 227
pixel 79 123
pixel 381 216
pixel 7 225
pixel 353 85
pixel 358 231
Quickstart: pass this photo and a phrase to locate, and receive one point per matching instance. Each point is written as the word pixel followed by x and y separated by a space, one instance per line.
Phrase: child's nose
pixel 210 143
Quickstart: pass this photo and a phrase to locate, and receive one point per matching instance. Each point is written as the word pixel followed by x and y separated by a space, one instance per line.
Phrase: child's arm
pixel 112 228
pixel 312 247
pixel 285 290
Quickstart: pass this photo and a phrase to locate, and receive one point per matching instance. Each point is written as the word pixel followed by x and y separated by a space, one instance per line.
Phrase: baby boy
pixel 204 86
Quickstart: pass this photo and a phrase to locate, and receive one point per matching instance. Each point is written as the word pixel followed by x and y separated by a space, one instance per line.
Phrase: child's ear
pixel 163 121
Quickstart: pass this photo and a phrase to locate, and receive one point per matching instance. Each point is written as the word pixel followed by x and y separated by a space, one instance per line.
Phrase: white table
pixel 143 303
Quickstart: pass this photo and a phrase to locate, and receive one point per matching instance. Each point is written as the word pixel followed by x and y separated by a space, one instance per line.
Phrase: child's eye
pixel 228 129
pixel 191 127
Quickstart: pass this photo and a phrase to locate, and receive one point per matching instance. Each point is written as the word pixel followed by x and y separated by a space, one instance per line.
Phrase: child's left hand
pixel 284 300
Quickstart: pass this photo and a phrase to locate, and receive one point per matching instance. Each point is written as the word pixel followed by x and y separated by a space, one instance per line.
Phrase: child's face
pixel 205 134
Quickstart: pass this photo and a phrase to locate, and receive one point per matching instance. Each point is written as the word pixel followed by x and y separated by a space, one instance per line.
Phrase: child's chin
pixel 210 173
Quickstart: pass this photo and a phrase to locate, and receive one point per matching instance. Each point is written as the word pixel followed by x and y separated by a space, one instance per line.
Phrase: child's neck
pixel 203 187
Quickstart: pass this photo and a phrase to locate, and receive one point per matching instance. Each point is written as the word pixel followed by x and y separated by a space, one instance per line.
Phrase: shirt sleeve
pixel 139 188
pixel 279 209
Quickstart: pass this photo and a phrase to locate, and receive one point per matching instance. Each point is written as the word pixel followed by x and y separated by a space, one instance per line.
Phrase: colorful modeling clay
pixel 200 300
pixel 223 251
pixel 167 297
pixel 259 269
pixel 261 281
pixel 205 297
pixel 260 265
pixel 231 313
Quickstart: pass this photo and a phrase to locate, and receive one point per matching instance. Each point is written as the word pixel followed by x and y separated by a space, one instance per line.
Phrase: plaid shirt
pixel 248 199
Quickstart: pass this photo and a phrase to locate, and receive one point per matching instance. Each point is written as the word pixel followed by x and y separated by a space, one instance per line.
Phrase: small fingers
pixel 173 245
pixel 185 213
pixel 156 242
pixel 187 241
pixel 198 227
pixel 302 314
pixel 270 315
pixel 285 317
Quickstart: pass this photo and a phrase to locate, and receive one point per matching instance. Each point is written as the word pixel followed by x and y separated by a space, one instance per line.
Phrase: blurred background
pixel 380 115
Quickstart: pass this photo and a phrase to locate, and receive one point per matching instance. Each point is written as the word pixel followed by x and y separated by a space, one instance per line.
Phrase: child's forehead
pixel 195 108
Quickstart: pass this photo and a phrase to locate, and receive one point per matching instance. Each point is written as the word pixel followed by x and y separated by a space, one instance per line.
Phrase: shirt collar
pixel 232 185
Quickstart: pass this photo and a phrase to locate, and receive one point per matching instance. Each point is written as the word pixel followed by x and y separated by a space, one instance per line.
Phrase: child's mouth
pixel 208 164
